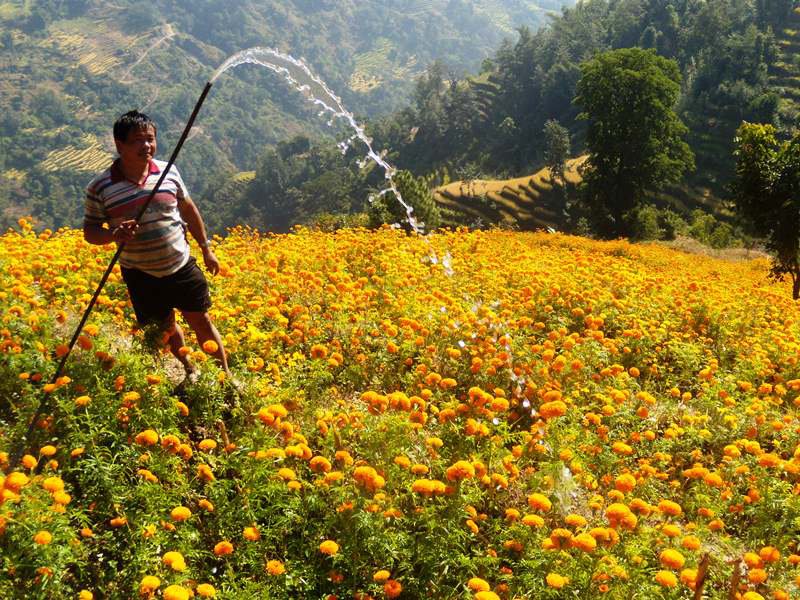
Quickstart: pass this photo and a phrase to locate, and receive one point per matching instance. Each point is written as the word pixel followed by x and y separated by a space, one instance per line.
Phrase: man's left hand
pixel 212 264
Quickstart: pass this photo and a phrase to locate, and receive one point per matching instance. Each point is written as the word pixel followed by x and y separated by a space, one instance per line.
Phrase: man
pixel 156 265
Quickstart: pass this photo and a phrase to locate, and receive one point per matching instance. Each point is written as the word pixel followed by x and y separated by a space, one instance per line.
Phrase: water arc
pixel 314 89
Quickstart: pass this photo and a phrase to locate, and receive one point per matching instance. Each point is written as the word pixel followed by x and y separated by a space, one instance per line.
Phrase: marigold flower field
pixel 464 415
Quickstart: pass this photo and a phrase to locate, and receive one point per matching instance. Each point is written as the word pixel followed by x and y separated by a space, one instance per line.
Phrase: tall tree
pixel 766 192
pixel 556 140
pixel 634 137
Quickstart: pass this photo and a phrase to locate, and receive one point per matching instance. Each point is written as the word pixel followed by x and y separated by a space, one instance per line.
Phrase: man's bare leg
pixel 204 329
pixel 176 340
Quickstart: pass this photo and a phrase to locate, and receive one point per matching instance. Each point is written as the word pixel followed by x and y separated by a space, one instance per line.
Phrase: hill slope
pixel 68 69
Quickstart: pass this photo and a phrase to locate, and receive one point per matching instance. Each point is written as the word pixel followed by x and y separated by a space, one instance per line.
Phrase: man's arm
pixel 95 234
pixel 197 228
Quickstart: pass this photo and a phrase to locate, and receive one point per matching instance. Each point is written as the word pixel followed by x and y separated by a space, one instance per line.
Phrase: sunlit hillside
pixel 469 414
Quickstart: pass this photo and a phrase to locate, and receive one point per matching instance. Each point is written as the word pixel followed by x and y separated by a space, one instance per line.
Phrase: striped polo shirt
pixel 159 247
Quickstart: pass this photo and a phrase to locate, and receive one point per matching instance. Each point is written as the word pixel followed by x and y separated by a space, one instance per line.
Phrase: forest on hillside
pixel 277 164
pixel 68 68
pixel 737 62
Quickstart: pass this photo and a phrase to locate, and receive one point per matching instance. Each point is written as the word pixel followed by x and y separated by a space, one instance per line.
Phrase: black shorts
pixel 154 298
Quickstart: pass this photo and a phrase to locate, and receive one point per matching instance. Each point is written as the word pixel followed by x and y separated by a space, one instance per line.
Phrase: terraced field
pixel 91 156
pixel 785 74
pixel 525 202
pixel 374 66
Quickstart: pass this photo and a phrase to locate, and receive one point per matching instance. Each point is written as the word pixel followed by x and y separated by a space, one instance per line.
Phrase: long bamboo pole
pixel 43 404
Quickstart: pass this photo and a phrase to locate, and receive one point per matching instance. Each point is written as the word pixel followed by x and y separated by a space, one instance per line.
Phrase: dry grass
pixel 692 246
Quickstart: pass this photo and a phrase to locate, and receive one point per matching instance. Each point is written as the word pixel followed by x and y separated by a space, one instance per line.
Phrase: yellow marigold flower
pixel 476 584
pixel 286 474
pixel 206 590
pixel 53 484
pixel 223 548
pixel 180 513
pixel 329 547
pixel 15 481
pixel 174 560
pixel 381 576
pixel 533 521
pixel 62 498
pixel 752 596
pixel 275 567
pixel 47 451
pixel 176 592
pixel 43 538
pixel 149 584
pixel 486 595
pixel 554 580
pixel 666 578
pixel 251 534
pixel 85 595
pixel 29 462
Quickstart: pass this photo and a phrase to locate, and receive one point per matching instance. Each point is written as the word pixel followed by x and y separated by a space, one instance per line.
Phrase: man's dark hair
pixel 132 120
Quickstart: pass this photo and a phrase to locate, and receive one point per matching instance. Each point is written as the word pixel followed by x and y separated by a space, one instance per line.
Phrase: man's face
pixel 139 147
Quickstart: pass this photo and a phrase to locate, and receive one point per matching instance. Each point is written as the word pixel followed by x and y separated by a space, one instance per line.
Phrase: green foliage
pixel 634 136
pixel 557 148
pixel 766 193
pixel 387 209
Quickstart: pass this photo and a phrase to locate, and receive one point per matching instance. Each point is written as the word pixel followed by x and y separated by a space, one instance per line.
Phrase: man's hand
pixel 125 231
pixel 212 264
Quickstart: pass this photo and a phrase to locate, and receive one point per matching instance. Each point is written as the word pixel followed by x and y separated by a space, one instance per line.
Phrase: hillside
pixel 526 203
pixel 462 416
pixel 785 74
pixel 67 69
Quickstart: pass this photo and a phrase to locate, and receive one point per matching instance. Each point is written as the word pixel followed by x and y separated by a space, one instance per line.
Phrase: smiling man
pixel 157 267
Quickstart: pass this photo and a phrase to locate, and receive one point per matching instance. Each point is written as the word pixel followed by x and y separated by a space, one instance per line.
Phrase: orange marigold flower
pixel 460 470
pixel 392 588
pixel 539 502
pixel 671 559
pixel 223 548
pixel 668 507
pixel 43 538
pixel 666 578
pixel 210 347
pixel 251 534
pixel 275 567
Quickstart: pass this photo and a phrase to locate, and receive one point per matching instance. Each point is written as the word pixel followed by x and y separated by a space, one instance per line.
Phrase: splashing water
pixel 299 76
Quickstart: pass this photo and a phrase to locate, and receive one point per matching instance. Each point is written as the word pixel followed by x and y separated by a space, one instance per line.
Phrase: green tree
pixel 557 148
pixel 766 192
pixel 634 137
pixel 415 192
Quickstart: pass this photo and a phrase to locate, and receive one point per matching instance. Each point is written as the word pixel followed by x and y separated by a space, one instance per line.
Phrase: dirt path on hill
pixel 168 32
